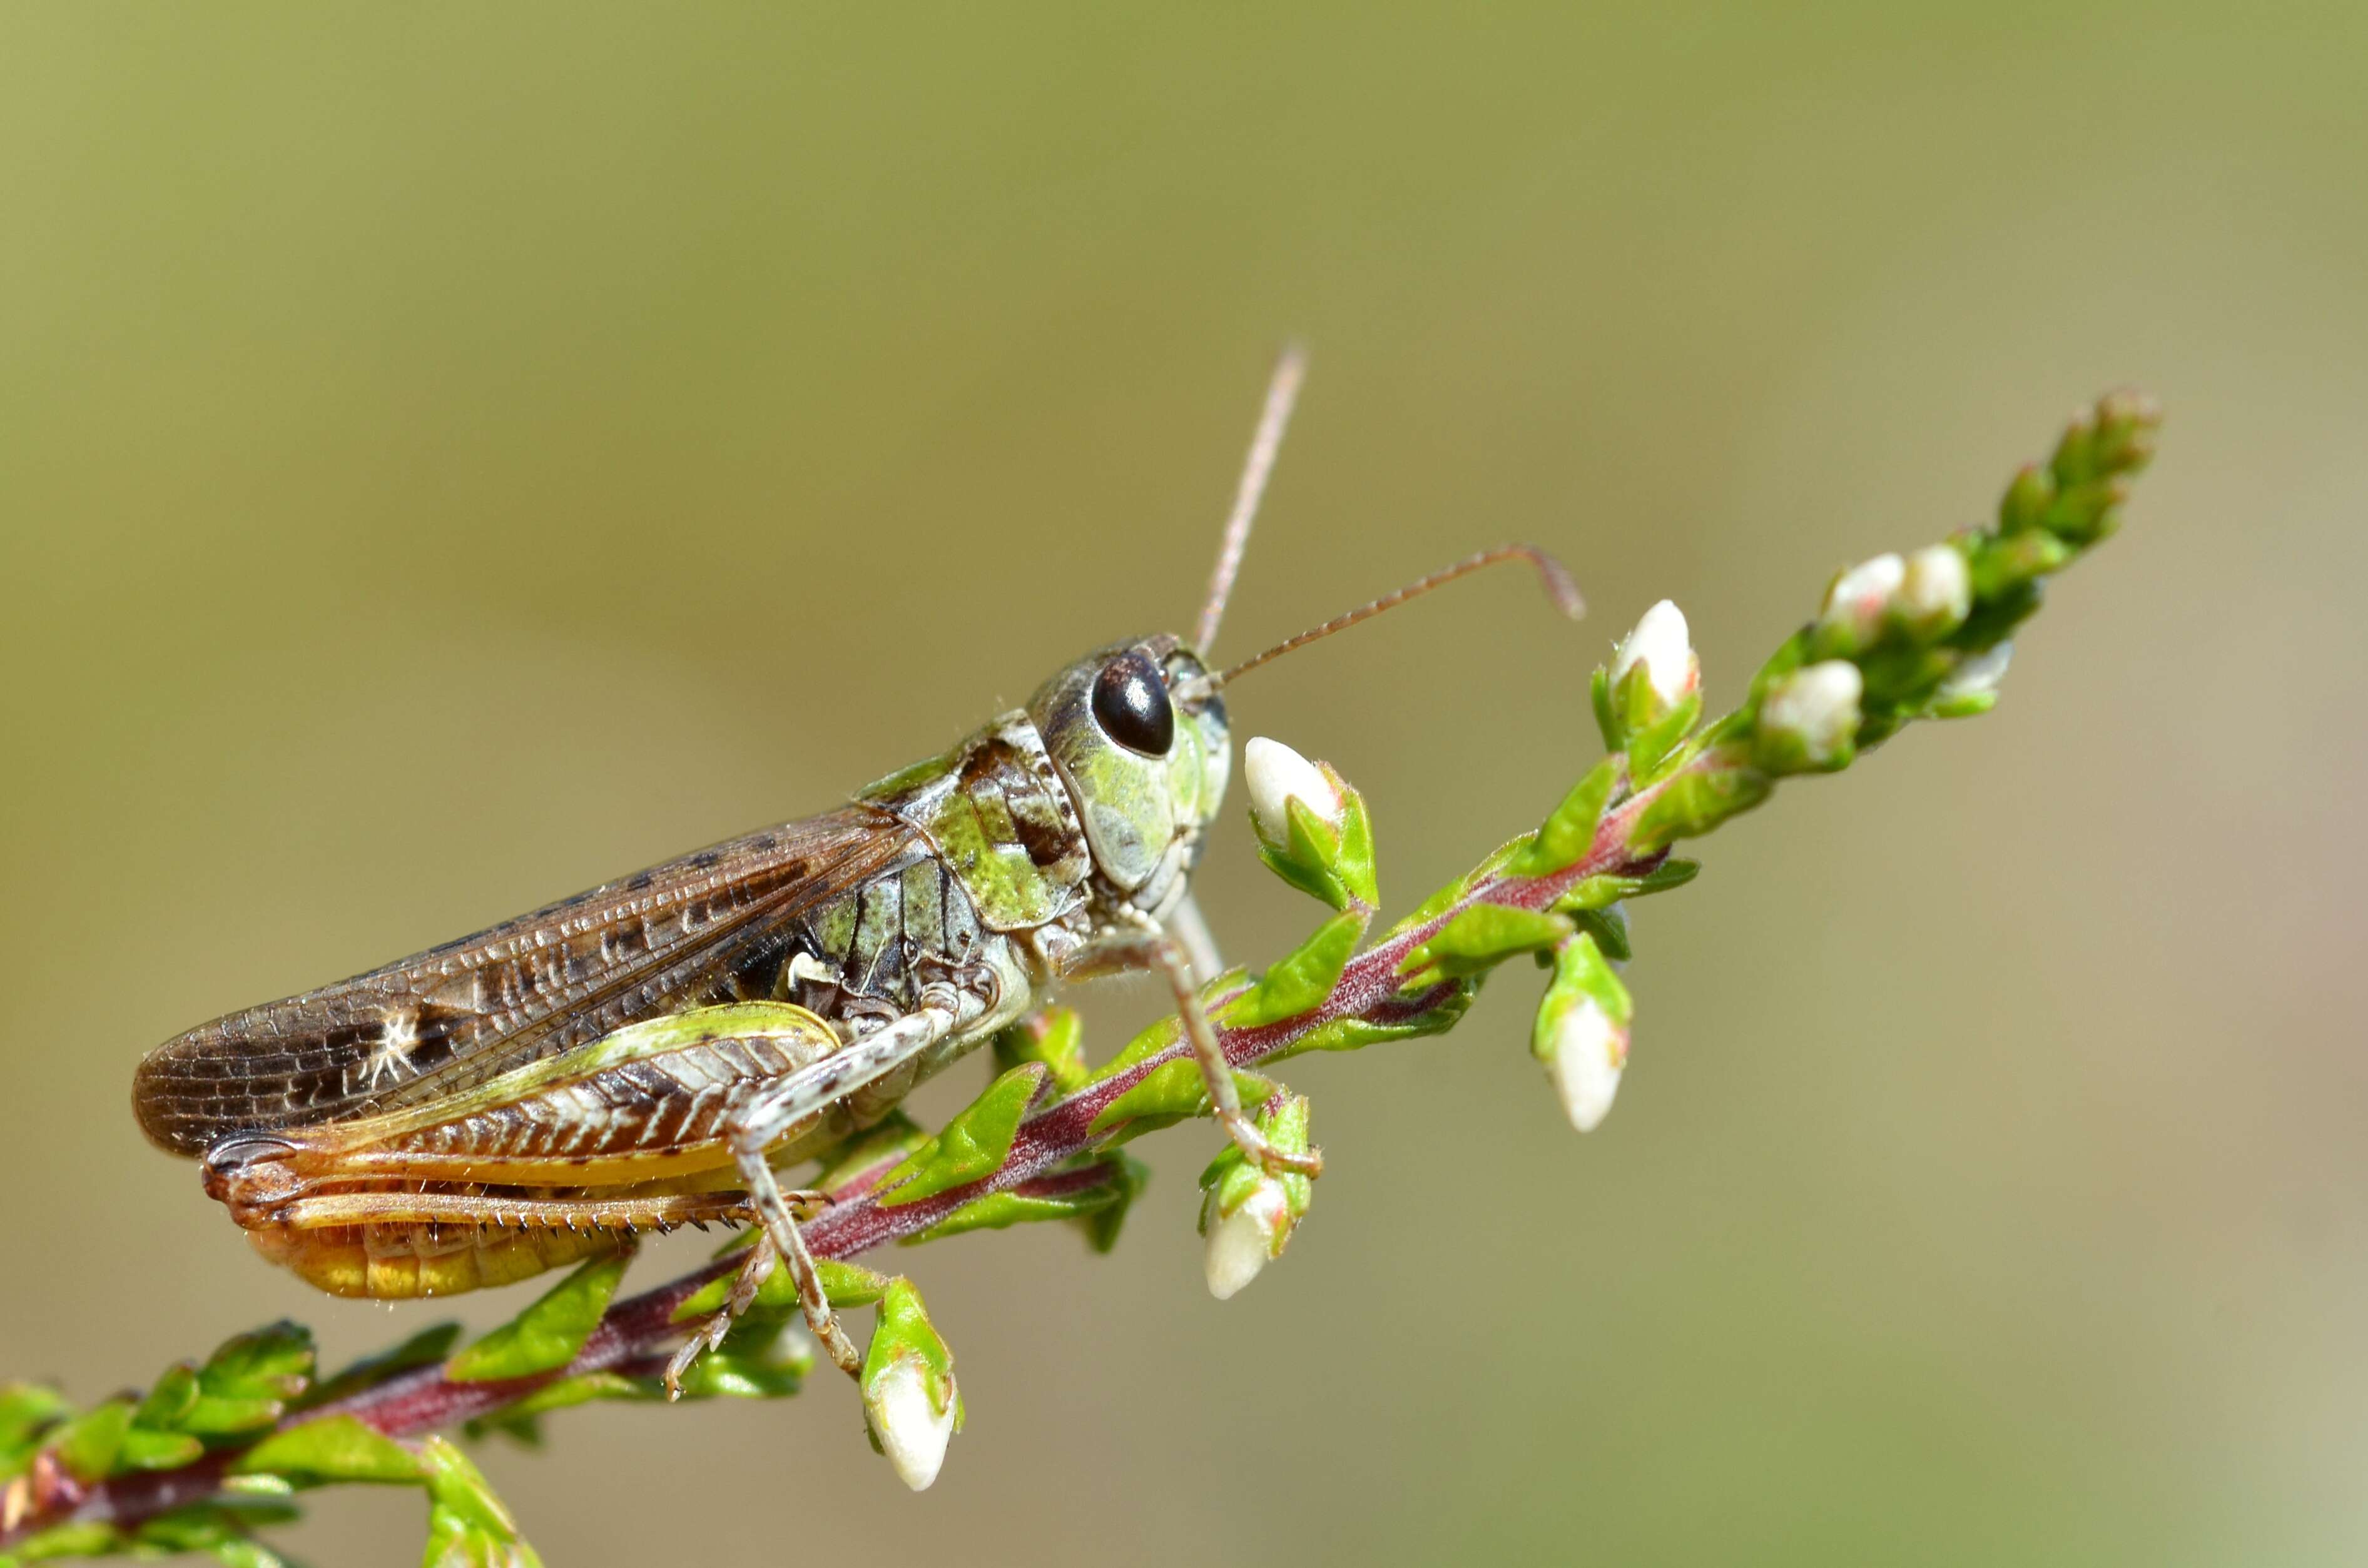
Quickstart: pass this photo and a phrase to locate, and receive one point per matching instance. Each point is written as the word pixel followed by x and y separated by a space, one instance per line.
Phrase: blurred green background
pixel 449 455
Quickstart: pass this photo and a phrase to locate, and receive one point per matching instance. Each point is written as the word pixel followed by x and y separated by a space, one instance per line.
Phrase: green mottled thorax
pixel 996 814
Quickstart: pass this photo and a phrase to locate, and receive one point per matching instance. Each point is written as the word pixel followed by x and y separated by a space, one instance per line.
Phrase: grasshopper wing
pixel 453 1016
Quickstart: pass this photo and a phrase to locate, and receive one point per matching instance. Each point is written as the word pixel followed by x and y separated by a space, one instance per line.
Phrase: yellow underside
pixel 400 1263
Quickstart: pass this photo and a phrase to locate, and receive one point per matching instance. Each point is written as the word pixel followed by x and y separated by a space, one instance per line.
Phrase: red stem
pixel 638 1332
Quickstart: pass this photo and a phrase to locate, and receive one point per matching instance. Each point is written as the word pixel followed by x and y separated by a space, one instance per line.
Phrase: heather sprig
pixel 214 1450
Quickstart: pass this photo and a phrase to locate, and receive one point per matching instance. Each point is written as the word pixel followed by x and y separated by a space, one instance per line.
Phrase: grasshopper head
pixel 1147 767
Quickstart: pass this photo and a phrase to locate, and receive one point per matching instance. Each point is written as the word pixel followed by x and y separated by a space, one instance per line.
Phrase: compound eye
pixel 1131 705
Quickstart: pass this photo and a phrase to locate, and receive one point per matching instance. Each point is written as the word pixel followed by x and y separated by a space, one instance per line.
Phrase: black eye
pixel 1131 705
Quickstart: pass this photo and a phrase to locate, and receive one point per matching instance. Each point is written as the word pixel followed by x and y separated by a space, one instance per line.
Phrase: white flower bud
pixel 1277 775
pixel 1979 674
pixel 913 1424
pixel 1661 645
pixel 1861 596
pixel 1245 1241
pixel 1814 708
pixel 1585 1053
pixel 1936 593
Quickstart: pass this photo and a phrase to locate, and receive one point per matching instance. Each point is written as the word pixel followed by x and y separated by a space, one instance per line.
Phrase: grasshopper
pixel 652 1051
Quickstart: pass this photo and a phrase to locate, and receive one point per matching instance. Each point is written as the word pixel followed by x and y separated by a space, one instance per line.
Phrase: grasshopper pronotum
pixel 651 1052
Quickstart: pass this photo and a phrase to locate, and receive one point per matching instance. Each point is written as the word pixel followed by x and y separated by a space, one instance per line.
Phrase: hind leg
pixel 763 1256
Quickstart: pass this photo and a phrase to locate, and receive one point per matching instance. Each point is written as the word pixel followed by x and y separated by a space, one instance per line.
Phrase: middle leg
pixel 779 1110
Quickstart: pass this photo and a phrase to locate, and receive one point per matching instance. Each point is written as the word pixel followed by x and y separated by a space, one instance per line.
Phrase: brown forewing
pixel 457 1014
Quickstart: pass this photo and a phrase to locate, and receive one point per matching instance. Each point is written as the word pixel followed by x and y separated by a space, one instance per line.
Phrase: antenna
pixel 1281 391
pixel 1557 579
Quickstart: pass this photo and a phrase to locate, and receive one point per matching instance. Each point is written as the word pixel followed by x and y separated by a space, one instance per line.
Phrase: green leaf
pixel 332 1448
pixel 759 1369
pixel 2016 562
pixel 1500 862
pixel 1302 980
pixel 1355 867
pixel 245 1552
pixel 91 1540
pixel 547 1336
pixel 1001 1211
pixel 904 1329
pixel 1168 1093
pixel 860 1160
pixel 1054 1036
pixel 1658 743
pixel 175 1395
pixel 247 1382
pixel 1355 1034
pixel 709 1298
pixel 1608 930
pixel 467 1525
pixel 1156 1039
pixel 1694 802
pixel 209 1528
pixel 523 1428
pixel 581 1389
pixel 1122 1177
pixel 1335 864
pixel 2075 457
pixel 521 1422
pixel 2026 498
pixel 212 1417
pixel 147 1449
pixel 1312 880
pixel 1230 1180
pixel 848 1284
pixel 1569 832
pixel 26 1411
pixel 1966 704
pixel 1128 1178
pixel 1995 618
pixel 256 1491
pixel 1902 673
pixel 1635 720
pixel 1598 893
pixel 1485 936
pixel 973 1143
pixel 1580 971
pixel 1171 1093
pixel 276 1360
pixel 1794 651
pixel 87 1445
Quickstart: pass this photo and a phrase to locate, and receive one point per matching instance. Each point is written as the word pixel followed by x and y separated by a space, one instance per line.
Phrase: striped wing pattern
pixel 458 1015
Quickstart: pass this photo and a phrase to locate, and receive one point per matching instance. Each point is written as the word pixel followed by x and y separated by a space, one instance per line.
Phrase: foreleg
pixel 1150 947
